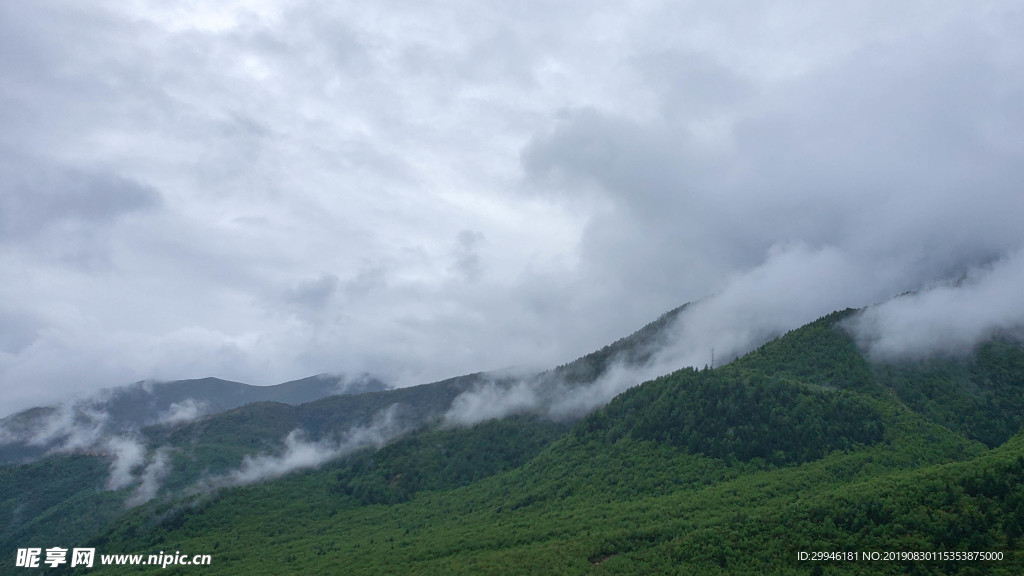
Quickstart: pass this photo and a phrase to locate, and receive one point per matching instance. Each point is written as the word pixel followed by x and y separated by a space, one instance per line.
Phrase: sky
pixel 262 191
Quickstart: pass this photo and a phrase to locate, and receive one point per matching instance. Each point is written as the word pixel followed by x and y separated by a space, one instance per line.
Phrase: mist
pixel 86 422
pixel 128 454
pixel 491 400
pixel 795 286
pixel 302 453
pixel 950 318
pixel 63 428
pixel 181 412
pixel 150 478
pixel 133 464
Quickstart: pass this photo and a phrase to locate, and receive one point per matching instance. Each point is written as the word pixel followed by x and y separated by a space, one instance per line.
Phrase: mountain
pixel 631 351
pixel 32 433
pixel 182 455
pixel 802 445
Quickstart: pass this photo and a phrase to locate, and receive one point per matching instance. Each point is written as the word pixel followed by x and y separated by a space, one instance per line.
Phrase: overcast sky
pixel 263 190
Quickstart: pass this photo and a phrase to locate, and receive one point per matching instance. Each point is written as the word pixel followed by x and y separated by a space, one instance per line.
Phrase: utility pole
pixel 712 356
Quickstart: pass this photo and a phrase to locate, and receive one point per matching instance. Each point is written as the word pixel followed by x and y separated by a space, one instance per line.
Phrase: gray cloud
pixel 310 298
pixel 37 197
pixel 65 214
pixel 468 263
pixel 269 191
pixel 19 330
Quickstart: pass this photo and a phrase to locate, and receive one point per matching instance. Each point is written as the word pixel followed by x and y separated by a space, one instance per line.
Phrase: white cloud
pixel 64 428
pixel 489 401
pixel 301 453
pixel 150 478
pixel 185 411
pixel 128 454
pixel 950 318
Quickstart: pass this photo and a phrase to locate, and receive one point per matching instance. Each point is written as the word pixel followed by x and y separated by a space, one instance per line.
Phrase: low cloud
pixel 574 402
pixel 63 428
pixel 795 285
pixel 184 411
pixel 950 318
pixel 151 477
pixel 299 453
pixel 128 454
pixel 547 395
pixel 302 453
pixel 81 426
pixel 492 400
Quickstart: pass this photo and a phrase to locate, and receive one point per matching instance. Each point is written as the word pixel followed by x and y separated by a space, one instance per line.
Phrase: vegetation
pixel 801 446
pixel 447 458
pixel 980 394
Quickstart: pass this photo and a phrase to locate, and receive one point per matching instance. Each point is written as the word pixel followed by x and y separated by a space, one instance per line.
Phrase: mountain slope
pixel 199 454
pixel 35 497
pixel 802 445
pixel 32 433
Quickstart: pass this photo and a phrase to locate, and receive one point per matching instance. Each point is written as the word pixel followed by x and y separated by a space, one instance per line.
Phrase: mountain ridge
pixel 806 415
pixel 37 431
pixel 625 491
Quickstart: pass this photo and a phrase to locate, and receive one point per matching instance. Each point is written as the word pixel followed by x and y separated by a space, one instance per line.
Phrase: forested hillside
pixel 267 438
pixel 803 445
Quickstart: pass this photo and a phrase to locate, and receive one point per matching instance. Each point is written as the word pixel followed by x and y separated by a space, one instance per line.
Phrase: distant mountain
pixel 34 432
pixel 169 402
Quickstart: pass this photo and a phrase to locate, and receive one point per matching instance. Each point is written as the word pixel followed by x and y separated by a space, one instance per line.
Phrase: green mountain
pixel 801 446
pixel 31 434
pixel 212 451
pixel 70 495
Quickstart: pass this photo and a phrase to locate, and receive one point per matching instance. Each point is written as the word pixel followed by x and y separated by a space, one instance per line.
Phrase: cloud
pixel 265 192
pixel 301 453
pixel 65 214
pixel 490 401
pixel 128 454
pixel 577 401
pixel 794 286
pixel 468 263
pixel 151 477
pixel 20 330
pixel 949 318
pixel 185 411
pixel 35 197
pixel 65 428
pixel 310 298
